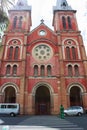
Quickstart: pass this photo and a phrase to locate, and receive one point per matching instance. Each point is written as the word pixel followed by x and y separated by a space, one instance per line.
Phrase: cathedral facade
pixel 43 68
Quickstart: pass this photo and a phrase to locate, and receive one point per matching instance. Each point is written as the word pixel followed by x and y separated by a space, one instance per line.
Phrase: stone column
pixel 21 98
pixel 0 97
pixel 30 105
pixel 68 100
pixel 17 97
pixel 85 100
pixel 54 109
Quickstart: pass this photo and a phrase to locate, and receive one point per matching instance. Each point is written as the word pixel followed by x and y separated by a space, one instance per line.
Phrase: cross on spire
pixel 42 21
pixel 62 5
pixel 22 2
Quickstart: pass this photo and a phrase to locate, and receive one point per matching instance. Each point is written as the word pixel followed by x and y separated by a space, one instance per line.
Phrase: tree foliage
pixel 4 6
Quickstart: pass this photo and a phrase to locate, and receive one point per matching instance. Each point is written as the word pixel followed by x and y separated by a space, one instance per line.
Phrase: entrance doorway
pixel 75 96
pixel 42 101
pixel 10 95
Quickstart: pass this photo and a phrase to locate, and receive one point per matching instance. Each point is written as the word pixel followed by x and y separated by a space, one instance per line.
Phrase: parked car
pixel 74 110
pixel 12 109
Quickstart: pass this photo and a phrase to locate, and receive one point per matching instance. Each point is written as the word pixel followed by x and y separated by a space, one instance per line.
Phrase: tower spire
pixel 22 5
pixel 23 2
pixel 62 5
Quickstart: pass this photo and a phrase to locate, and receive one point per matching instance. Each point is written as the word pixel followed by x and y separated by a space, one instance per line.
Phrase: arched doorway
pixel 10 95
pixel 42 101
pixel 75 96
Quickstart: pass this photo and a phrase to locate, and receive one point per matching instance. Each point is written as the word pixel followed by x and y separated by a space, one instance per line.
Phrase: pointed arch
pixel 68 53
pixel 10 54
pixel 14 22
pixel 16 53
pixel 69 22
pixel 73 53
pixel 20 22
pixel 78 55
pixel 64 22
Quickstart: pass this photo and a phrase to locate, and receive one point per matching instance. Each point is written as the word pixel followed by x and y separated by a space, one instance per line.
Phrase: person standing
pixel 62 112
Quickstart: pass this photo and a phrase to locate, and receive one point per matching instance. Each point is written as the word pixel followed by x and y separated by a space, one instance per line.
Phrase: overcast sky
pixel 42 9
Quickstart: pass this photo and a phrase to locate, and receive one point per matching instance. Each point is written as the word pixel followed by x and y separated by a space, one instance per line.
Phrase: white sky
pixel 42 9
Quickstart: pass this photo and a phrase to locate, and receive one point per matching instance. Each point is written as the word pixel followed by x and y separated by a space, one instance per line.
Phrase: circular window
pixel 42 52
pixel 42 33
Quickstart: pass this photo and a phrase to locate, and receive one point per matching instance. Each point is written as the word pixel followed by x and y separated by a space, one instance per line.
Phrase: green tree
pixel 4 6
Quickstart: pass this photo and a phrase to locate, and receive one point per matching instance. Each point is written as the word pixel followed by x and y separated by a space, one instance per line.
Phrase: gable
pixel 42 32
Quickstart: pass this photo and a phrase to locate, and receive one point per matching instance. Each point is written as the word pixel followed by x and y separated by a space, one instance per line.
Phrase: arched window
pixel 64 22
pixel 14 22
pixel 76 69
pixel 16 53
pixel 35 70
pixel 8 69
pixel 70 70
pixel 42 70
pixel 68 53
pixel 73 53
pixel 49 70
pixel 14 70
pixel 10 53
pixel 69 22
pixel 20 22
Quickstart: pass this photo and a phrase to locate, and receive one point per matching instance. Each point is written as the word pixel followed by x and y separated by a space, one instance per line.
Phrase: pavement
pixel 43 123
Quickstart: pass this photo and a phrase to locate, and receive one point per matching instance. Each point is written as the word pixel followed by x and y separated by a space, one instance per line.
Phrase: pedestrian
pixel 62 112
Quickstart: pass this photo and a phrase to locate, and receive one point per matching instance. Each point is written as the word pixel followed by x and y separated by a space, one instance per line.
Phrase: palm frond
pixel 4 6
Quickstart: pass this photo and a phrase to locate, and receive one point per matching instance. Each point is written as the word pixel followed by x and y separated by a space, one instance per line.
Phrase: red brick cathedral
pixel 43 68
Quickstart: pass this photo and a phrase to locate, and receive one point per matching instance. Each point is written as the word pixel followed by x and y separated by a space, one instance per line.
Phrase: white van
pixel 12 109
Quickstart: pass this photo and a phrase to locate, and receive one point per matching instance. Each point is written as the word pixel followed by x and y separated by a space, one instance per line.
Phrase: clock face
pixel 42 52
pixel 42 33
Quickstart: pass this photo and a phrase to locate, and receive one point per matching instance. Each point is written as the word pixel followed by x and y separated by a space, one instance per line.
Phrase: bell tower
pixel 71 54
pixel 64 17
pixel 20 16
pixel 14 54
